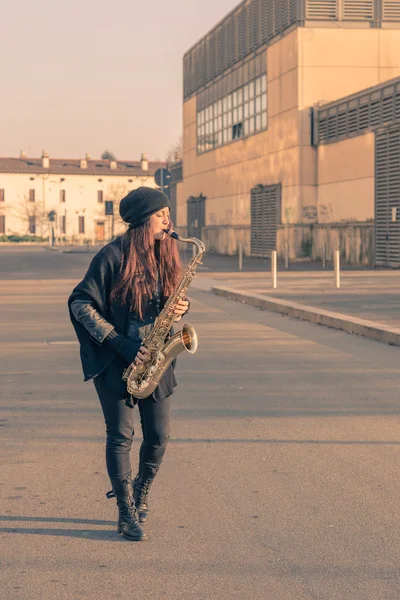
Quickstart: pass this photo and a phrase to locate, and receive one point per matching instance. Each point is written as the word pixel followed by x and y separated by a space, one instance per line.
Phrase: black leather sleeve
pixel 86 314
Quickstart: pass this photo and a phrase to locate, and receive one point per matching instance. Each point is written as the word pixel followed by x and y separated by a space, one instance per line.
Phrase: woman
pixel 112 309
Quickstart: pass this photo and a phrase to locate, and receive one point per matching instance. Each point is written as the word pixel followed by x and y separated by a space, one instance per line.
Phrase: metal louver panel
pixel 294 10
pixel 176 170
pixel 391 10
pixel 265 214
pixel 244 30
pixel 358 9
pixel 257 22
pixel 271 8
pixel 359 113
pixel 283 12
pixel 196 215
pixel 265 17
pixel 222 50
pixel 363 116
pixel 241 32
pixel 321 9
pixel 396 101
pixel 230 34
pixel 387 198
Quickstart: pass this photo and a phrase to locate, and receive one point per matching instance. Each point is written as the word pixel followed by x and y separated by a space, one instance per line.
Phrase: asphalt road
pixel 280 481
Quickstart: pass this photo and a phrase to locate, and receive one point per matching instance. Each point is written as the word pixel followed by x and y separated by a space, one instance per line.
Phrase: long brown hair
pixel 143 261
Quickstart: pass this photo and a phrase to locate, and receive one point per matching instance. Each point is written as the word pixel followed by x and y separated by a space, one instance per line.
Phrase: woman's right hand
pixel 142 356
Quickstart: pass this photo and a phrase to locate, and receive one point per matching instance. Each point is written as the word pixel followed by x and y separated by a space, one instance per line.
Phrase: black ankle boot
pixel 128 519
pixel 141 488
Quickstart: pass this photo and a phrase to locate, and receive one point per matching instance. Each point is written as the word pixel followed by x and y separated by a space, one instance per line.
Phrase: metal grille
pixel 176 170
pixel 357 114
pixel 265 214
pixel 357 10
pixel 324 10
pixel 196 215
pixel 387 198
pixel 391 10
pixel 256 22
pixel 249 26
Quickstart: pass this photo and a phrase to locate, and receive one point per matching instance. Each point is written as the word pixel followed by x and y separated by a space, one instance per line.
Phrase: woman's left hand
pixel 180 310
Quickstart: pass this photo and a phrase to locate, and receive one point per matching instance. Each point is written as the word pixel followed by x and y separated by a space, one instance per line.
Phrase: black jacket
pixel 98 358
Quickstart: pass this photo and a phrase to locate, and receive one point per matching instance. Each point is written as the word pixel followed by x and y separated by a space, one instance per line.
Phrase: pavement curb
pixel 370 329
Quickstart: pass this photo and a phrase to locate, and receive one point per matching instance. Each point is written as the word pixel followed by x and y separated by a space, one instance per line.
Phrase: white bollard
pixel 337 268
pixel 273 268
pixel 286 255
pixel 240 257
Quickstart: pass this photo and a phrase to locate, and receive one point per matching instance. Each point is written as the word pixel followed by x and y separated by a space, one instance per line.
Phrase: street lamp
pixel 51 216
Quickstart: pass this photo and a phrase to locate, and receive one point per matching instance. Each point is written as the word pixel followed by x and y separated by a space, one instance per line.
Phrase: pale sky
pixel 81 77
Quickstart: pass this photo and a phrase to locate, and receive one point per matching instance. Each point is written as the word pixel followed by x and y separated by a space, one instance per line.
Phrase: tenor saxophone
pixel 142 380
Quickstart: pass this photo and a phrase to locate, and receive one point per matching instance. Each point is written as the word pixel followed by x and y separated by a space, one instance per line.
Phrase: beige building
pixel 76 193
pixel 258 89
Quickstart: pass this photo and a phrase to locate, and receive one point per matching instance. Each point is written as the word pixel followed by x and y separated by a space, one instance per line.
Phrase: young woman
pixel 112 309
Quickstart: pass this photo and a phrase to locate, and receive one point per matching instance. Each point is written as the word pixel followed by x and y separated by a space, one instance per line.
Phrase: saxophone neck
pixel 192 240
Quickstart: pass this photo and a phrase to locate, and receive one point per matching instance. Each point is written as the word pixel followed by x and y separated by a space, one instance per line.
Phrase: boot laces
pixel 132 509
pixel 144 488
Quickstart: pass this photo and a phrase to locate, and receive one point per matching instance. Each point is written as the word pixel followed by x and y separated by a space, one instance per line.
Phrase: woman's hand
pixel 180 310
pixel 142 356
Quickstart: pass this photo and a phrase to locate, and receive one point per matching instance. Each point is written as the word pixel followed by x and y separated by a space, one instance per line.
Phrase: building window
pixel 2 195
pixel 81 224
pixel 63 224
pixel 236 115
pixel 31 195
pixel 32 224
pixel 100 196
pixel 2 224
pixel 62 196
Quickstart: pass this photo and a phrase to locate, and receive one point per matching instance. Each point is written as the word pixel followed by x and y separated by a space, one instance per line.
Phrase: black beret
pixel 140 204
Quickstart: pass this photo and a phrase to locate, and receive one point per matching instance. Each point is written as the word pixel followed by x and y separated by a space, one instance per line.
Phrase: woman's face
pixel 159 221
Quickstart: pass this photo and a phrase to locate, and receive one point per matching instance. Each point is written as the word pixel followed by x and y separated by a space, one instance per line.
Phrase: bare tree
pixel 32 214
pixel 176 151
pixel 115 192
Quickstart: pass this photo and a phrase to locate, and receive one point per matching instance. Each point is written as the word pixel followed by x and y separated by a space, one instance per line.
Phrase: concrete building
pixel 78 191
pixel 259 89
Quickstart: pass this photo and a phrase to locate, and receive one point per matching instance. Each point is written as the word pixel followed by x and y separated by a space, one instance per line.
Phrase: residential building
pixel 81 195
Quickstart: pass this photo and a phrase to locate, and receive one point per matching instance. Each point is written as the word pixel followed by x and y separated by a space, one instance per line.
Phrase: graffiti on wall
pixel 325 213
pixel 309 213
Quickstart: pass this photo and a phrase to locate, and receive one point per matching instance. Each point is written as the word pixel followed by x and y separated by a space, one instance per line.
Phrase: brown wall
pixel 333 184
pixel 334 63
pixel 346 180
pixel 226 175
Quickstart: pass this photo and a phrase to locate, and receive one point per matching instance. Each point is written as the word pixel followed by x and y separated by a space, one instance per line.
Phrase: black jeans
pixel 118 415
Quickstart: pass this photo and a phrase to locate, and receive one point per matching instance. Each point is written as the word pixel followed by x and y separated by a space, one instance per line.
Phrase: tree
pixel 115 192
pixel 32 214
pixel 176 151
pixel 107 155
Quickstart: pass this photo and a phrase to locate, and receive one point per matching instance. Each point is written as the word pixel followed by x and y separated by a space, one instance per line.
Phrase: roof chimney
pixel 144 163
pixel 45 159
pixel 113 164
pixel 87 156
pixel 22 154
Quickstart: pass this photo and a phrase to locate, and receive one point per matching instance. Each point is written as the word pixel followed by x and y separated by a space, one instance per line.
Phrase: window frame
pixel 241 112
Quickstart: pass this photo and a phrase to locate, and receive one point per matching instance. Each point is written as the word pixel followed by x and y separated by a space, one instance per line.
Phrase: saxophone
pixel 142 380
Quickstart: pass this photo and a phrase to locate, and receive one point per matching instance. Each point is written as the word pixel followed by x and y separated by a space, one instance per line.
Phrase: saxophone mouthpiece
pixel 171 233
